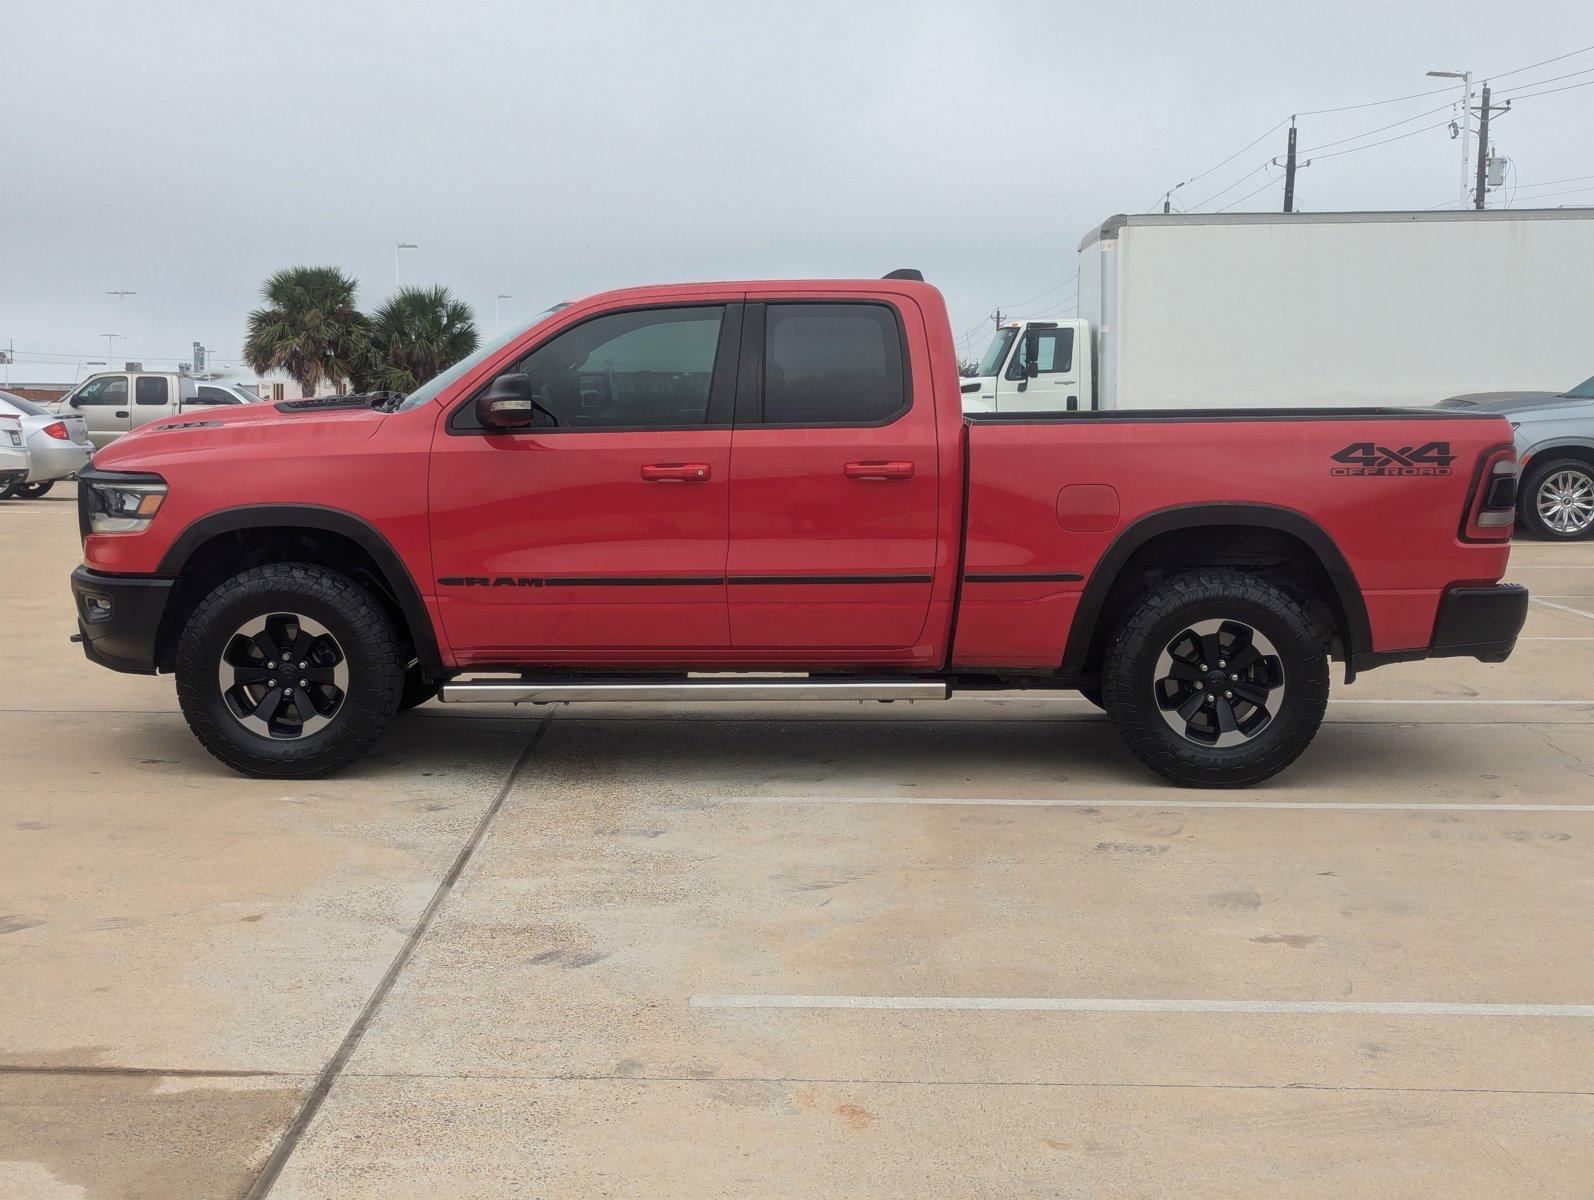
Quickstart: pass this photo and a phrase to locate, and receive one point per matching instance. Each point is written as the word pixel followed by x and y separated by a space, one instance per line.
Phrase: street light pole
pixel 1466 127
pixel 397 246
pixel 498 305
pixel 110 346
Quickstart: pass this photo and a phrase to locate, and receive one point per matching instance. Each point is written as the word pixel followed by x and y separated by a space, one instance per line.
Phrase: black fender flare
pixel 395 574
pixel 1087 615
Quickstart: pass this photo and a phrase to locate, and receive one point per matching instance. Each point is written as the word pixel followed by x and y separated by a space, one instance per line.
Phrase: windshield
pixel 996 352
pixel 434 387
pixel 1583 391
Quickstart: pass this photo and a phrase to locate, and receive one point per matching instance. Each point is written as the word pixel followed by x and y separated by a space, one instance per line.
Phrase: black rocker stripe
pixel 633 580
pixel 1041 577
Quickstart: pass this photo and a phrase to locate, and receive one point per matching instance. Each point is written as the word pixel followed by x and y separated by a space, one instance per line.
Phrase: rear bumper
pixel 118 617
pixel 1480 622
pixel 58 460
pixel 1472 622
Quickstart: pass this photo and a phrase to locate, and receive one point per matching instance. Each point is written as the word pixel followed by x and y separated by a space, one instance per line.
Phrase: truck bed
pixel 1058 501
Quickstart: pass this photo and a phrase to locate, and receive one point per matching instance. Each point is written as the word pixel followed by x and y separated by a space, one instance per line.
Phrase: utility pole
pixel 110 344
pixel 1484 156
pixel 997 317
pixel 1466 126
pixel 1289 171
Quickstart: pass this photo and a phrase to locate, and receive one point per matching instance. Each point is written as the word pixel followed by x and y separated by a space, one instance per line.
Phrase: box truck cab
pixel 1034 366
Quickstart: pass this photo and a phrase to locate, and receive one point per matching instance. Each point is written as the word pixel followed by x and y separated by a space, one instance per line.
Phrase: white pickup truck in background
pixel 113 402
pixel 1306 310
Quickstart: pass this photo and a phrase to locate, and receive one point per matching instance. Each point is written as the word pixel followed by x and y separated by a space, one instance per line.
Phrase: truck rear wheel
pixel 1216 679
pixel 288 671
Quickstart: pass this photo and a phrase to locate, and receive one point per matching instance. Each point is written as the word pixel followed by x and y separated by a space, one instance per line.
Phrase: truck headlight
pixel 123 507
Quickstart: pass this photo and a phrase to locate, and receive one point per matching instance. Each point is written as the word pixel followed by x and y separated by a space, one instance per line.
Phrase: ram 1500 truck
pixel 766 491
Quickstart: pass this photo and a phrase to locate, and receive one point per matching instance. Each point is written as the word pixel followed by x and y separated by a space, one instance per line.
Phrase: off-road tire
pixel 1129 670
pixel 1528 507
pixel 352 616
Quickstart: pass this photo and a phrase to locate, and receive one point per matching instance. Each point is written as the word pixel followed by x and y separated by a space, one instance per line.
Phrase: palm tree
pixel 309 327
pixel 417 334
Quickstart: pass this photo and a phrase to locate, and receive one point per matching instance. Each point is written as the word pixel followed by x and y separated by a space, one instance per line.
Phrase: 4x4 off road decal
pixel 1367 458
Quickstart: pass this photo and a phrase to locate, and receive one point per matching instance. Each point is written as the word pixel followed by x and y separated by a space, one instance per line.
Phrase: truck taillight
pixel 1492 502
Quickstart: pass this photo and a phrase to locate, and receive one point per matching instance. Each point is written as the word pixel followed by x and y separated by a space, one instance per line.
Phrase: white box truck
pixel 1307 310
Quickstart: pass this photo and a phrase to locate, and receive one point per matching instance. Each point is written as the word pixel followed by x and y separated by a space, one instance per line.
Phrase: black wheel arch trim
pixel 1087 616
pixel 329 520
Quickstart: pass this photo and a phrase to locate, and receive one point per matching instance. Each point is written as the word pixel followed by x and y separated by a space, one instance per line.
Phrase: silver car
pixel 13 454
pixel 1555 445
pixel 58 447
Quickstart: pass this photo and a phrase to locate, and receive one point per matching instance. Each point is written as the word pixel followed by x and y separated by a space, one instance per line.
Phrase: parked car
pixel 1554 436
pixel 670 493
pixel 58 447
pixel 14 458
pixel 114 402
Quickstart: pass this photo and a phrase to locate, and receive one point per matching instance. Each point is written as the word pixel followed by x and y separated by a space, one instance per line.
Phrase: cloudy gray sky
pixel 547 150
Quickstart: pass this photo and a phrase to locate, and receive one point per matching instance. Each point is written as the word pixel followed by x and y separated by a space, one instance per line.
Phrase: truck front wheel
pixel 288 671
pixel 1216 679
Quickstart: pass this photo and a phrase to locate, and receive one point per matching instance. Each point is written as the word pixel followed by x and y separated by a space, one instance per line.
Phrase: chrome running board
pixel 519 691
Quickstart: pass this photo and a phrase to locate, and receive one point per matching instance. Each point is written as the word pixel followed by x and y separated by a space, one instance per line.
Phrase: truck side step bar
pixel 519 691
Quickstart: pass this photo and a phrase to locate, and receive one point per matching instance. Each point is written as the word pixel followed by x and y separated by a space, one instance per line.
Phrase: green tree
pixel 309 327
pixel 418 333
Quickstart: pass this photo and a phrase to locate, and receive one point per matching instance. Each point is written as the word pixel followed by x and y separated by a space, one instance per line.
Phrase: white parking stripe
pixel 1374 1008
pixel 1564 608
pixel 1555 639
pixel 1060 802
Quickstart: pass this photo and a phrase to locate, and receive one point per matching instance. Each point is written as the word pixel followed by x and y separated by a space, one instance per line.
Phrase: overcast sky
pixel 548 150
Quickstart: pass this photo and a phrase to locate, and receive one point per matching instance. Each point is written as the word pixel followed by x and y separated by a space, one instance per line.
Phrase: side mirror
pixel 507 403
pixel 1032 368
pixel 1032 353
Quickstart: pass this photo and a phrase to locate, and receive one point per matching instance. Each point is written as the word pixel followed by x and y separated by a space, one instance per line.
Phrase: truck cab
pixel 1034 366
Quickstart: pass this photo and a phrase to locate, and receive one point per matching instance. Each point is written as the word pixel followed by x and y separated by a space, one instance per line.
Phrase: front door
pixel 602 527
pixel 1054 384
pixel 103 403
pixel 833 482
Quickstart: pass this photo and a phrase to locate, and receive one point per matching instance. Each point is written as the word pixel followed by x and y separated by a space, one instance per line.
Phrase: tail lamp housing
pixel 1492 502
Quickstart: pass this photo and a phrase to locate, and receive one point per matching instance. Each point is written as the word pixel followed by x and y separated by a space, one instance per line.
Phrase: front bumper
pixel 1480 622
pixel 118 618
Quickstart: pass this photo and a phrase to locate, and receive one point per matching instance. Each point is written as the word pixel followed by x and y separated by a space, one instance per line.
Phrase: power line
pixel 1046 293
pixel 1517 87
pixel 1553 182
pixel 1398 137
pixel 1545 63
pixel 1247 196
pixel 1369 133
pixel 1551 91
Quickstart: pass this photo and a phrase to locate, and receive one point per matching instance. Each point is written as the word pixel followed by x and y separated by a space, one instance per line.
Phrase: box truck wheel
pixel 1558 499
pixel 288 670
pixel 1216 679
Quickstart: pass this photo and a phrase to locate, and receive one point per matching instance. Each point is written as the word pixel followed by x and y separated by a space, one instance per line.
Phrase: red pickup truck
pixel 766 491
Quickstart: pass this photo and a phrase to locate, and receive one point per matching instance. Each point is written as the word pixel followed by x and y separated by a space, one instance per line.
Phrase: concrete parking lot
pixel 968 949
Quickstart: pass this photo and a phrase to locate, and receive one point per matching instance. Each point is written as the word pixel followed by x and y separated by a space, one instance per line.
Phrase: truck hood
pixel 247 430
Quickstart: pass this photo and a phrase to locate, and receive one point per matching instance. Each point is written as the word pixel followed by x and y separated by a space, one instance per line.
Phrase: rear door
pixel 600 531
pixel 834 485
pixel 153 399
pixel 105 404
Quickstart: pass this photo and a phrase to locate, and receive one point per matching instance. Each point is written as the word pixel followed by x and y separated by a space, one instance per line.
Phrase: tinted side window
pixel 652 368
pixel 213 395
pixel 832 364
pixel 110 390
pixel 152 390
